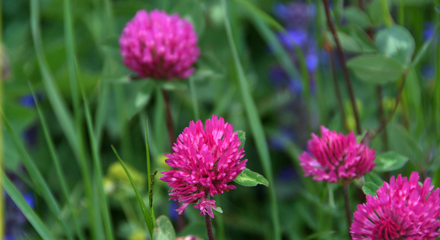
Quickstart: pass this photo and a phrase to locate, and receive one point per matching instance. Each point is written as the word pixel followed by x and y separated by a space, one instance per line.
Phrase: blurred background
pixel 292 71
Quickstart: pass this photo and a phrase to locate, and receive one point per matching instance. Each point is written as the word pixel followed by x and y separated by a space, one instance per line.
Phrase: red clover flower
pixel 206 160
pixel 335 156
pixel 159 46
pixel 402 210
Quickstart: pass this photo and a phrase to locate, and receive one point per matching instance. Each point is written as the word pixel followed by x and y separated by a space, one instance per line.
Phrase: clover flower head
pixel 403 209
pixel 335 156
pixel 206 159
pixel 159 46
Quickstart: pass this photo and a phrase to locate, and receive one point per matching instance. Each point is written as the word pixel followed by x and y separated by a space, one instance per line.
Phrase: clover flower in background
pixel 335 156
pixel 159 46
pixel 403 209
pixel 206 159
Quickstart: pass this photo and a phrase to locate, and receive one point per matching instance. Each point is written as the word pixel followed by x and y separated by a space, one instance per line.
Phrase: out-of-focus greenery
pixel 272 78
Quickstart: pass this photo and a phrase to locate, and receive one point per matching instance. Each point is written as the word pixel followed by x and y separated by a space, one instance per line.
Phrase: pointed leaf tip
pixel 248 178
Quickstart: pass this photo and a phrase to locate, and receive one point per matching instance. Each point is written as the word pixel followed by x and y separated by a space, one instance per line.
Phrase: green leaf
pixel 164 229
pixel 376 69
pixel 26 209
pixel 396 42
pixel 389 161
pixel 357 16
pixel 400 141
pixel 140 98
pixel 242 136
pixel 375 12
pixel 338 8
pixel 262 15
pixel 359 138
pixel 171 85
pixel 370 189
pixel 144 209
pixel 361 37
pixel 218 209
pixel 347 42
pixel 374 178
pixel 437 8
pixel 248 178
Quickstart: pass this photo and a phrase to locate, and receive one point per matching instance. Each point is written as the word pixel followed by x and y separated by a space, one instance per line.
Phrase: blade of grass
pixel 147 215
pixel 150 186
pixel 192 88
pixel 101 112
pixel 262 15
pixel 70 52
pixel 255 124
pixel 55 99
pixel 159 123
pixel 2 229
pixel 56 162
pixel 27 211
pixel 37 179
pixel 98 171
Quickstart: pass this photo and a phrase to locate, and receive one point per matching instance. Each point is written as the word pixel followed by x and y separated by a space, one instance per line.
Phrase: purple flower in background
pixel 429 31
pixel 290 38
pixel 15 219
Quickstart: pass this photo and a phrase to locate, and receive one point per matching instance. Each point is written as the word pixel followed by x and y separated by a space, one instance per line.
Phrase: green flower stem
pixel 381 114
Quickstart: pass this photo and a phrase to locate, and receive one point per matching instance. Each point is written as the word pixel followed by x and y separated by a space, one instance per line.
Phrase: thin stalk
pixel 381 114
pixel 150 182
pixel 347 203
pixel 192 88
pixel 344 65
pixel 209 227
pixel 386 13
pixel 401 12
pixel 169 118
pixel 219 221
pixel 384 123
pixel 1 133
pixel 338 92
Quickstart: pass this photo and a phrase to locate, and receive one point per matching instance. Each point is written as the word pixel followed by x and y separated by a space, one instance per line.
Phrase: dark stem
pixel 344 66
pixel 209 227
pixel 169 118
pixel 337 91
pixel 347 204
pixel 382 116
pixel 361 4
pixel 180 218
